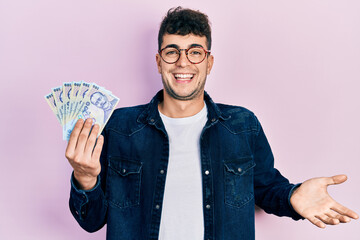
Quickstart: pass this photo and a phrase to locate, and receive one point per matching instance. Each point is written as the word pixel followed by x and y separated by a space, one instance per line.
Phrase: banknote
pixel 74 92
pixel 67 87
pixel 84 88
pixel 98 104
pixel 56 92
pixel 81 100
pixel 51 101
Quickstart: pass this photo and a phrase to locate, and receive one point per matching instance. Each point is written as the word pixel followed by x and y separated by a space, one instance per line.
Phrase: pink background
pixel 296 64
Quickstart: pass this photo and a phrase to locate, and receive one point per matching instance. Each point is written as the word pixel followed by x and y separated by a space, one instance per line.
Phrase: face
pixel 99 100
pixel 183 80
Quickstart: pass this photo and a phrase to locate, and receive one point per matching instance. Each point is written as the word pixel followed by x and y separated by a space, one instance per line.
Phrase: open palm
pixel 312 201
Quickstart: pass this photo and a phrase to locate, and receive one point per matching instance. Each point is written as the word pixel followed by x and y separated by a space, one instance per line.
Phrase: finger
pixel 336 215
pixel 337 179
pixel 91 140
pixel 316 222
pixel 345 211
pixel 98 148
pixel 74 136
pixel 344 219
pixel 84 134
pixel 328 220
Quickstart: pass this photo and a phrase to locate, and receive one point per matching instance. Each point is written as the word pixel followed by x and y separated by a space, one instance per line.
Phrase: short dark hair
pixel 184 21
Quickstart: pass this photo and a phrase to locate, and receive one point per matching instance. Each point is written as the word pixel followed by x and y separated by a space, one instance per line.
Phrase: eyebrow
pixel 177 46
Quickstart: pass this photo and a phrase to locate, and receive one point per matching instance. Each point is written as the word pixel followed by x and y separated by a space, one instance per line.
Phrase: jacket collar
pixel 151 114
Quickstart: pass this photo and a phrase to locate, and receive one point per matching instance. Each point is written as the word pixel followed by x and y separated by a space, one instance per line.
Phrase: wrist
pixel 84 182
pixel 292 192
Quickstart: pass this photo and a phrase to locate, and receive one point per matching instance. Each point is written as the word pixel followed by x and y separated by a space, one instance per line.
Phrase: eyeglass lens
pixel 194 54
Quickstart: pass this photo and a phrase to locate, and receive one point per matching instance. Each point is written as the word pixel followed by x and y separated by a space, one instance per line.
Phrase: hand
pixel 82 156
pixel 312 201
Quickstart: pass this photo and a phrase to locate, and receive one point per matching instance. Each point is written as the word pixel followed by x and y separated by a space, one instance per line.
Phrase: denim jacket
pixel 237 173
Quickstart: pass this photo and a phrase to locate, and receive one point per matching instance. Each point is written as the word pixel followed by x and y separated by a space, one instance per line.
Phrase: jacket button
pixel 157 206
pixel 213 120
pixel 239 169
pixel 208 206
pixel 207 172
pixel 152 120
pixel 162 171
pixel 124 170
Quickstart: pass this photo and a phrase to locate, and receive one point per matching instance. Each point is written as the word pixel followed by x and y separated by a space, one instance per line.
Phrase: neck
pixel 174 108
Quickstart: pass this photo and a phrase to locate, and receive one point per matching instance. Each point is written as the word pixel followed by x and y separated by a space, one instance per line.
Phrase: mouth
pixel 183 77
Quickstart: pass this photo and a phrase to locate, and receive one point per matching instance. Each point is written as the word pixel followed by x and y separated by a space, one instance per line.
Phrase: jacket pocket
pixel 123 182
pixel 239 184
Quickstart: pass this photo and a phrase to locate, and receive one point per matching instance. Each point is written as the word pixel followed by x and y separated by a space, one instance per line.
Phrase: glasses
pixel 195 55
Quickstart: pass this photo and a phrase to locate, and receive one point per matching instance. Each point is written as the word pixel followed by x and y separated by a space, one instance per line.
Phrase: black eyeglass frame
pixel 186 53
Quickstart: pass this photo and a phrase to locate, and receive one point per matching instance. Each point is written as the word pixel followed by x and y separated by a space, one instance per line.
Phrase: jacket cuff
pixel 295 216
pixel 80 198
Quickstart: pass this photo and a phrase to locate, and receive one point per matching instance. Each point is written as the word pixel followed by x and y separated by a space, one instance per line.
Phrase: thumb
pixel 337 179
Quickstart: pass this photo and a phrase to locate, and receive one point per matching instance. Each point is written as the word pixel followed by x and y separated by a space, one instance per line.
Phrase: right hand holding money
pixel 83 152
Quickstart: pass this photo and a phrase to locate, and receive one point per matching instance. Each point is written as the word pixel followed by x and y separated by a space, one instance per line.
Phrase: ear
pixel 158 62
pixel 210 62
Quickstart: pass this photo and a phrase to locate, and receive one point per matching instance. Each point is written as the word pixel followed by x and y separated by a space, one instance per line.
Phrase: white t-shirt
pixel 182 211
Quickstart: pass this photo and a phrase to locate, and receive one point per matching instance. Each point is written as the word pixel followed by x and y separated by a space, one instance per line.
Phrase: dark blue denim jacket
pixel 235 155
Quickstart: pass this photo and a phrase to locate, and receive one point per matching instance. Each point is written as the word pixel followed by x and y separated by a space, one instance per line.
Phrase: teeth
pixel 184 75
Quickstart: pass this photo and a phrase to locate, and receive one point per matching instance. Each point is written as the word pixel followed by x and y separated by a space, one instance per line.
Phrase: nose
pixel 183 61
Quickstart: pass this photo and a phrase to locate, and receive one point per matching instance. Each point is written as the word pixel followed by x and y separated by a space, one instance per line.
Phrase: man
pixel 183 167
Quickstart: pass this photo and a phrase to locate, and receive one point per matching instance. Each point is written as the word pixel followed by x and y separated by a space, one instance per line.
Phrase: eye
pixel 196 52
pixel 172 52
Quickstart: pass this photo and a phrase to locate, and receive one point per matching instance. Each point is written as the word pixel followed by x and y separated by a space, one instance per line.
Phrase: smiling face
pixel 183 80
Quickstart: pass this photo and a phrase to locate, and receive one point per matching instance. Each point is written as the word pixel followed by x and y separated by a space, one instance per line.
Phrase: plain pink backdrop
pixel 296 64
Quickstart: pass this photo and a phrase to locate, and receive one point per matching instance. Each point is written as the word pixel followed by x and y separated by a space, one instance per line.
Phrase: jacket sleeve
pixel 272 190
pixel 89 208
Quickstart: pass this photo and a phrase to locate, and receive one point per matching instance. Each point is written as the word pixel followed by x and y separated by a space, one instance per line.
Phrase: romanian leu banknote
pixel 75 100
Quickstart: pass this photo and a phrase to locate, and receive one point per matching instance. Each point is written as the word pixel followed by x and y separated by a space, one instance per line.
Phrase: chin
pixel 184 96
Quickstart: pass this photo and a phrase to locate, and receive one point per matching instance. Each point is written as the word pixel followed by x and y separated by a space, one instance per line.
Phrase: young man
pixel 181 166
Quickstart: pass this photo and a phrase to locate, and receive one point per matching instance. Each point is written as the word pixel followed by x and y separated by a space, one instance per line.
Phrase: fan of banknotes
pixel 75 100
